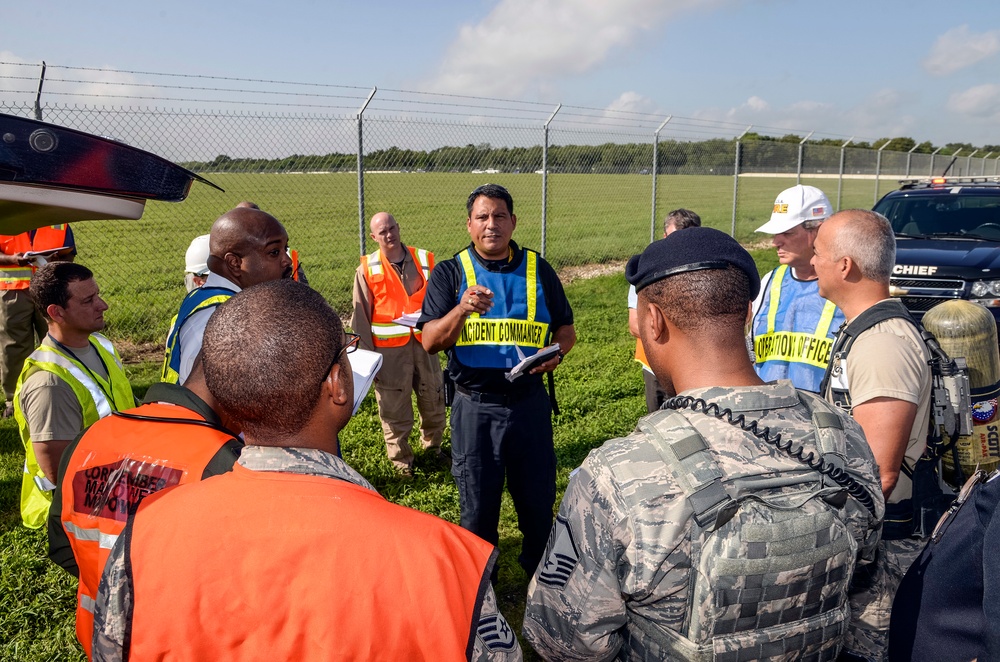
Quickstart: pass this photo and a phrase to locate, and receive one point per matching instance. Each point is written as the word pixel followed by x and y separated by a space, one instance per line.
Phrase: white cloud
pixel 881 114
pixel 959 48
pixel 981 101
pixel 523 44
pixel 630 102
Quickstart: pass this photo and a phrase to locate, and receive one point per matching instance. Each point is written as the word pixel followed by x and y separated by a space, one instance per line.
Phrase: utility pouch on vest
pixel 930 502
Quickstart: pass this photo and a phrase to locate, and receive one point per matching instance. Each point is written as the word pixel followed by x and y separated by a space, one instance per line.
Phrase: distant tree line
pixel 713 156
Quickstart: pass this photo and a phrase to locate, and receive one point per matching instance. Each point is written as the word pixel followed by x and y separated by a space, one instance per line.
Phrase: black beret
pixel 690 249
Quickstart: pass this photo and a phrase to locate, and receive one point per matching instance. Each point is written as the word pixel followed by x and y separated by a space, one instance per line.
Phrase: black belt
pixel 505 399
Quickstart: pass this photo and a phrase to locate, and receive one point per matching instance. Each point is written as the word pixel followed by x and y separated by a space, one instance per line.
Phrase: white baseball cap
pixel 196 257
pixel 796 205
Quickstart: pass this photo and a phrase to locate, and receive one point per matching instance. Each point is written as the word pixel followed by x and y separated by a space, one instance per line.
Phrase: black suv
pixel 947 241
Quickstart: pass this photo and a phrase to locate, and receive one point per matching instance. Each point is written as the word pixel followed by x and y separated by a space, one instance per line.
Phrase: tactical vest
pixel 793 331
pixel 771 555
pixel 115 464
pixel 97 397
pixel 198 299
pixel 299 567
pixel 389 298
pixel 14 277
pixel 518 320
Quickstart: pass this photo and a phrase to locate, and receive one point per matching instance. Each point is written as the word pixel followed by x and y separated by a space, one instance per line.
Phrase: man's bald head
pixel 248 246
pixel 385 232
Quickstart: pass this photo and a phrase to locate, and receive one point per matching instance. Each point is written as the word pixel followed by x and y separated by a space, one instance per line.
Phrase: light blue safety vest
pixel 793 331
pixel 197 299
pixel 519 317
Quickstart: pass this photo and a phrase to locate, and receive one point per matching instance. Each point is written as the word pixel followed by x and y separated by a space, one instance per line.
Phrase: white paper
pixel 408 319
pixel 533 361
pixel 46 253
pixel 364 366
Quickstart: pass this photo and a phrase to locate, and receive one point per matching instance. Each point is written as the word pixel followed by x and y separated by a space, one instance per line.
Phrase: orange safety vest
pixel 389 297
pixel 640 354
pixel 116 463
pixel 14 277
pixel 295 265
pixel 299 567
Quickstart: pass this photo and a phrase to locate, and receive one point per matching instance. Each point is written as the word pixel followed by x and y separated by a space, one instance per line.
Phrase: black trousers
pixel 491 441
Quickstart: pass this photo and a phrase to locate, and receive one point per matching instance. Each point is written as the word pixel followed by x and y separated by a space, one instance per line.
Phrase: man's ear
pixel 334 385
pixel 845 267
pixel 232 262
pixel 656 323
pixel 55 312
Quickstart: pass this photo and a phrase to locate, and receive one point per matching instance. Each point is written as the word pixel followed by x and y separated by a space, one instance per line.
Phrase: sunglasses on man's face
pixel 349 347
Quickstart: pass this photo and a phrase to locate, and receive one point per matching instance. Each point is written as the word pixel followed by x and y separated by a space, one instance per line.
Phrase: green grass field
pixel 591 219
pixel 600 397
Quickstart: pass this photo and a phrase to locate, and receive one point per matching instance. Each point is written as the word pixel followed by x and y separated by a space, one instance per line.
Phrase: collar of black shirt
pixel 502 265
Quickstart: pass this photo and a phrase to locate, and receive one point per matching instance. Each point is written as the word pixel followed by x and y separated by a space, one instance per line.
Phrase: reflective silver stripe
pixel 390 330
pixel 425 264
pixel 47 355
pixel 88 603
pixel 105 540
pixel 41 482
pixel 375 264
pixel 108 347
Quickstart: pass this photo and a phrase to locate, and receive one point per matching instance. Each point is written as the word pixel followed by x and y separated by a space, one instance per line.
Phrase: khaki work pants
pixel 404 370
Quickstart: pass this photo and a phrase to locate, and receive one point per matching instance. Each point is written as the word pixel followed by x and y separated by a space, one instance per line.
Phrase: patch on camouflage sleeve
pixel 495 633
pixel 561 559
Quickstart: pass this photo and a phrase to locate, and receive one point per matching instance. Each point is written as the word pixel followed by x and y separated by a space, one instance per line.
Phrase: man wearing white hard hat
pixel 793 326
pixel 196 263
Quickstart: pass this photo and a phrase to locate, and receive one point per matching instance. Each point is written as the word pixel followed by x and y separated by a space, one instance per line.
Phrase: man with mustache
pixel 246 246
pixel 793 326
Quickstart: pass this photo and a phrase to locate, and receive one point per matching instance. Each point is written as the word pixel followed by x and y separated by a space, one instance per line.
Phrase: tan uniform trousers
pixel 404 370
pixel 22 327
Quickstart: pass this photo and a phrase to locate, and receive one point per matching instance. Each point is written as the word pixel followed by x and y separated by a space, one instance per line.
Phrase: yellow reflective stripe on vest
pixel 46 354
pixel 386 331
pixel 532 283
pixel 425 263
pixel 772 309
pixel 13 275
pixel 794 347
pixel 470 271
pixel 374 264
pixel 826 319
pixel 487 331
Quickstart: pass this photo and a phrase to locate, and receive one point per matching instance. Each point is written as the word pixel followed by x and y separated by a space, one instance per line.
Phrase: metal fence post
pixel 982 168
pixel 840 177
pixel 909 155
pixel 878 168
pixel 798 168
pixel 38 95
pixel 545 175
pixel 656 172
pixel 931 172
pixel 996 166
pixel 736 175
pixel 968 163
pixel 361 171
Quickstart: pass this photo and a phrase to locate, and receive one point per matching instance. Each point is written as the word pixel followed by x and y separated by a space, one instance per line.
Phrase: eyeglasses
pixel 349 348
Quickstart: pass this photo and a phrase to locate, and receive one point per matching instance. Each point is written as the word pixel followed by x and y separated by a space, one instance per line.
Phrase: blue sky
pixel 929 70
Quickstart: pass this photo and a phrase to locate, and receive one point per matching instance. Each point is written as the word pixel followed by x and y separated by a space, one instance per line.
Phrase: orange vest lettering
pixel 116 463
pixel 389 298
pixel 14 277
pixel 300 567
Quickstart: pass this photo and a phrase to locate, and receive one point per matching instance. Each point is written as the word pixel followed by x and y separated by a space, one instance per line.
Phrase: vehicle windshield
pixel 963 213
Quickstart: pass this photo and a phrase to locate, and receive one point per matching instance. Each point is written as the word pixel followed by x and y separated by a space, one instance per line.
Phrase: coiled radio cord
pixel 814 462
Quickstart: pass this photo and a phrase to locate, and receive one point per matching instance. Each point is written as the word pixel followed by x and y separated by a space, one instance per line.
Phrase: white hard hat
pixel 796 205
pixel 196 257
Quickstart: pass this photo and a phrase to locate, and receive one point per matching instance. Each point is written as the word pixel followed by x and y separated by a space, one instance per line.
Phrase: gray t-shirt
pixel 49 404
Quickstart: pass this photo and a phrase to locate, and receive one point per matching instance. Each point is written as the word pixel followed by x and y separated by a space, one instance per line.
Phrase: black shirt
pixel 442 296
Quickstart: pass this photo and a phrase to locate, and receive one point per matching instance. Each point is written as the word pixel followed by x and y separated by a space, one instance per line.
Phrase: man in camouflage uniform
pixel 617 577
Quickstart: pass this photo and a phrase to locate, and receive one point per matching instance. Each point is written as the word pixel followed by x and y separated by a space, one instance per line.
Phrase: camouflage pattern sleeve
pixel 113 609
pixel 494 640
pixel 575 606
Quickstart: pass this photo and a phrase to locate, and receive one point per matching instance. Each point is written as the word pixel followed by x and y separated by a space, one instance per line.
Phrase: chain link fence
pixel 591 186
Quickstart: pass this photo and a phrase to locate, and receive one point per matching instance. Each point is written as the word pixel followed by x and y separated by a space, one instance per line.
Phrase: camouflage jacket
pixel 619 558
pixel 112 615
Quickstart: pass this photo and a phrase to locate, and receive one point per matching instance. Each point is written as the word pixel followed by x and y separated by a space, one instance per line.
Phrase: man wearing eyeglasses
pixel 389 287
pixel 246 246
pixel 492 305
